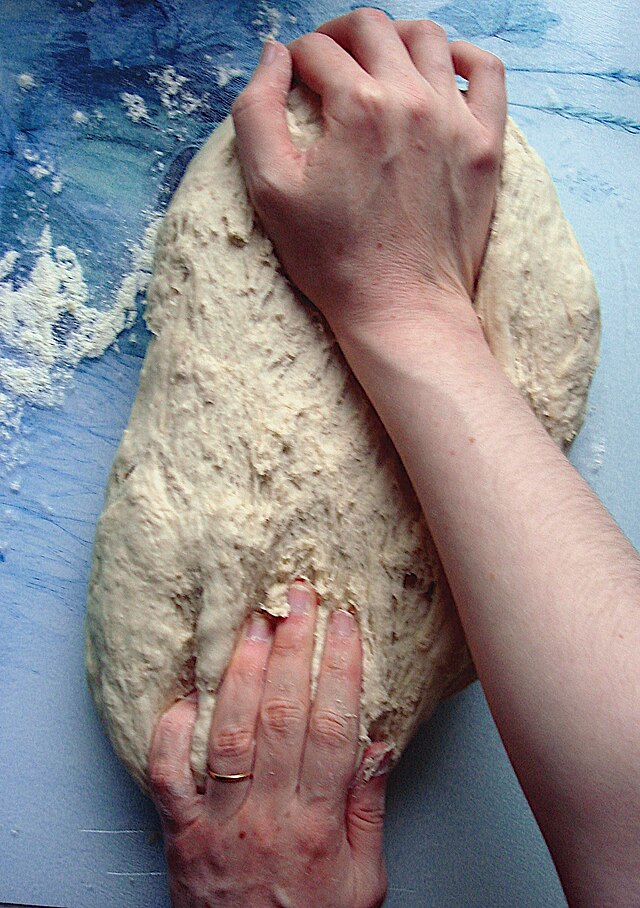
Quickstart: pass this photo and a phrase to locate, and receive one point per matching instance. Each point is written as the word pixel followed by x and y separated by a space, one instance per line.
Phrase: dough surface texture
pixel 252 457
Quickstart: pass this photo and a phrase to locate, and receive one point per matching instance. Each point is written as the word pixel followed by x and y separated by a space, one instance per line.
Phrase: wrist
pixel 411 327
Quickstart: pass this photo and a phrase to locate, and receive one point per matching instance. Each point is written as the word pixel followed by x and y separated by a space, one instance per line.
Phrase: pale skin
pixel 382 223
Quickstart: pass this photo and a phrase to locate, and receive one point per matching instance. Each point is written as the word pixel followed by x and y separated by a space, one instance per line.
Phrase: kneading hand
pixel 396 196
pixel 298 832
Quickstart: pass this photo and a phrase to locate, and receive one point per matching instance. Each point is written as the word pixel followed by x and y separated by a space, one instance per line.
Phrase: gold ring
pixel 234 777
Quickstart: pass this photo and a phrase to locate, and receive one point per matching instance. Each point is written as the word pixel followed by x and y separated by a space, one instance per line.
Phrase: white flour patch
pixel 135 107
pixel 174 97
pixel 39 171
pixel 42 167
pixel 226 74
pixel 26 81
pixel 598 451
pixel 268 21
pixel 48 326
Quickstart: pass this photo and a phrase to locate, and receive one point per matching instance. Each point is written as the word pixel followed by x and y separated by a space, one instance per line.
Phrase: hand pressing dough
pixel 252 456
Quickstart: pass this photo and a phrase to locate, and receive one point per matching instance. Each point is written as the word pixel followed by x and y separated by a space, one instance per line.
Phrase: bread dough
pixel 252 457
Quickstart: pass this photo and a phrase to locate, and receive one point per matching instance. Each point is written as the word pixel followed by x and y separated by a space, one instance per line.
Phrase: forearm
pixel 547 588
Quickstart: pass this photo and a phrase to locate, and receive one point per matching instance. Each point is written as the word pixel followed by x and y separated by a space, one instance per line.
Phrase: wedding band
pixel 234 777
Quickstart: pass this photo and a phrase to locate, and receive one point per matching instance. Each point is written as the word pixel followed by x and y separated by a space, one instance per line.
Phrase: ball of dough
pixel 252 457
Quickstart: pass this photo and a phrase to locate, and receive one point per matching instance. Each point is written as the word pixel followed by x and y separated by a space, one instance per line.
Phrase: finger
pixel 369 36
pixel 259 115
pixel 324 66
pixel 285 704
pixel 366 806
pixel 171 781
pixel 429 49
pixel 233 725
pixel 486 95
pixel 332 737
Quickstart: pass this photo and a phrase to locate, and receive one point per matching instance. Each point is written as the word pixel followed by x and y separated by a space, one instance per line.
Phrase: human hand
pixel 297 833
pixel 389 210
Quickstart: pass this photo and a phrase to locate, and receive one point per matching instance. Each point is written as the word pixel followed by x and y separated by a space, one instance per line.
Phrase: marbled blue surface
pixel 74 831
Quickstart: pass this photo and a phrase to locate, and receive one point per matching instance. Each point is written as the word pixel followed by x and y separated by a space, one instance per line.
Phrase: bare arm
pixel 382 223
pixel 547 588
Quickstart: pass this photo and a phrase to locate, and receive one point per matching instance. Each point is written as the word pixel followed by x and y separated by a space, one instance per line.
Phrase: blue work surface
pixel 101 105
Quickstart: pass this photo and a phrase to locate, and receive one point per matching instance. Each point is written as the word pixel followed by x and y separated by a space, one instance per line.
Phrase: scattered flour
pixel 48 326
pixel 26 81
pixel 598 451
pixel 39 171
pixel 175 99
pixel 226 74
pixel 268 21
pixel 135 106
pixel 41 167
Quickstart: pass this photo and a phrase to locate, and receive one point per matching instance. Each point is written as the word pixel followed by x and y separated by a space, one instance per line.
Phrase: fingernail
pixel 343 622
pixel 258 629
pixel 300 598
pixel 268 54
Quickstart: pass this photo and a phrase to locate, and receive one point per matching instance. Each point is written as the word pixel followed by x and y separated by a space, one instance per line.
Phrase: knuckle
pixel 367 15
pixel 427 28
pixel 311 39
pixel 337 662
pixel 493 64
pixel 329 728
pixel 486 155
pixel 247 674
pixel 367 95
pixel 462 45
pixel 159 778
pixel 368 103
pixel 162 771
pixel 232 741
pixel 286 643
pixel 245 100
pixel 342 663
pixel 164 785
pixel 282 716
pixel 366 817
pixel 266 186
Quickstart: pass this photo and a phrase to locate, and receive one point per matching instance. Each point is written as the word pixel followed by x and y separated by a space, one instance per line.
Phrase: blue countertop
pixel 101 106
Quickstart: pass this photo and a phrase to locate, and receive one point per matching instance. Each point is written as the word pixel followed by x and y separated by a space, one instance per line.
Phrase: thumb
pixel 171 781
pixel 366 806
pixel 260 119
